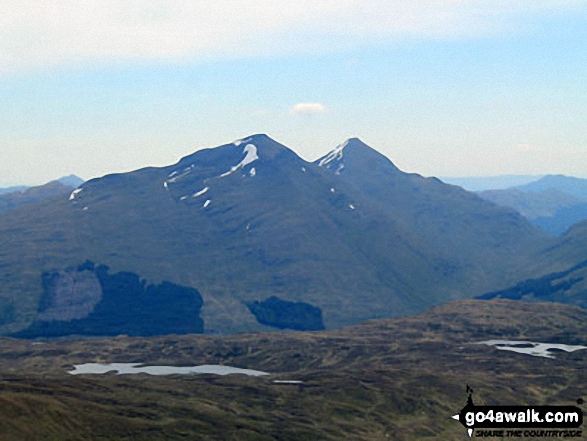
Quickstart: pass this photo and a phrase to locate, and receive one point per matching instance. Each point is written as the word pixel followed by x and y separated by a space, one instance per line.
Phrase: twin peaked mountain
pixel 252 237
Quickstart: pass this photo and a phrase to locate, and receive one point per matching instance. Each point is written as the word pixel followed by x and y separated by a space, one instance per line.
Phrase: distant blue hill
pixel 553 203
pixel 19 196
pixel 71 180
pixel 481 183
pixel 16 189
pixel 573 186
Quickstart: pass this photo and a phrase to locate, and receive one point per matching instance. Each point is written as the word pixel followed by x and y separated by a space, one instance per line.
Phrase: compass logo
pixel 518 421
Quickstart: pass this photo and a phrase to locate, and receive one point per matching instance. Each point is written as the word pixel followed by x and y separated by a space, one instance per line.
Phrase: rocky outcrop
pixel 91 301
pixel 69 295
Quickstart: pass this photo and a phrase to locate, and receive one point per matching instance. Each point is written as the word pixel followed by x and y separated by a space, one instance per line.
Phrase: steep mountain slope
pixel 558 273
pixel 562 220
pixel 566 286
pixel 570 249
pixel 452 225
pixel 250 220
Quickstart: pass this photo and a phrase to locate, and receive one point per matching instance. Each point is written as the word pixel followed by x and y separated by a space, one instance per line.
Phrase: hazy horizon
pixel 509 180
pixel 454 89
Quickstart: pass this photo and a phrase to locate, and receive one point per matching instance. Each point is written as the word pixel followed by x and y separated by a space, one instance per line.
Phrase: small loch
pixel 535 349
pixel 139 368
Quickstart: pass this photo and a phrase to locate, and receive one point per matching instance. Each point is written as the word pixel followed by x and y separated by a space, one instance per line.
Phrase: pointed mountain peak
pixel 202 171
pixel 256 138
pixel 356 142
pixel 259 137
pixel 355 154
pixel 267 147
pixel 258 145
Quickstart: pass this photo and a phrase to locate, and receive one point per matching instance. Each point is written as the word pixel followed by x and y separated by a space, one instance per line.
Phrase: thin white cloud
pixel 54 32
pixel 308 109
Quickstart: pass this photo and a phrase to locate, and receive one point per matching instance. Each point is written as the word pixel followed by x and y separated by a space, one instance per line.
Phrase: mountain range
pixel 12 198
pixel 482 183
pixel 247 237
pixel 553 203
pixel 6 190
pixel 70 181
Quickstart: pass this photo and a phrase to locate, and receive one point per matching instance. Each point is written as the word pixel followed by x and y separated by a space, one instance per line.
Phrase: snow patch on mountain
pixel 334 154
pixel 176 176
pixel 201 192
pixel 74 193
pixel 251 155
pixel 241 141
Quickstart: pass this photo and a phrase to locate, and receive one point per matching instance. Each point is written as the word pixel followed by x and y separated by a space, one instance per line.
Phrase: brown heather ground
pixel 397 379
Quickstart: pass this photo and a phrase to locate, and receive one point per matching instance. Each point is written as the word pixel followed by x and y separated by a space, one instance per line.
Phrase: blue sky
pixel 453 88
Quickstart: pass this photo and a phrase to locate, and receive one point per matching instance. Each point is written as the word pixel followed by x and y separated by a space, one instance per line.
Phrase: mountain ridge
pixel 31 195
pixel 553 203
pixel 251 220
